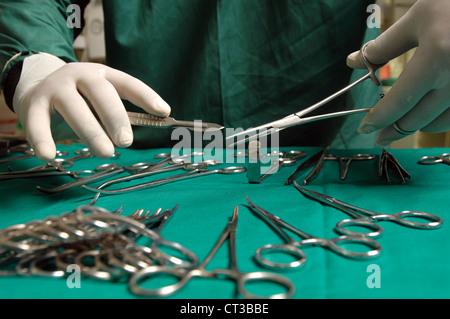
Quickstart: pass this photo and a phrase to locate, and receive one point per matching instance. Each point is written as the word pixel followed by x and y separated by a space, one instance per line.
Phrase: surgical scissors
pixel 298 119
pixel 345 161
pixel 193 170
pixel 430 160
pixel 368 219
pixel 185 275
pixel 291 247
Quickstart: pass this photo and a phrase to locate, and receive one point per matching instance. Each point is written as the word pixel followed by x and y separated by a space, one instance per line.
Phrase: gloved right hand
pixel 420 98
pixel 50 92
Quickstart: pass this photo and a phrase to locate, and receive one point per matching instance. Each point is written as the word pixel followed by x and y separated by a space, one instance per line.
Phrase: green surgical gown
pixel 240 63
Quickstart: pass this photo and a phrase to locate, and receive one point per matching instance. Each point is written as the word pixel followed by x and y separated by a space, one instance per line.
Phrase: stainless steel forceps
pixel 298 118
pixel 368 219
pixel 184 275
pixel 292 246
pixel 144 119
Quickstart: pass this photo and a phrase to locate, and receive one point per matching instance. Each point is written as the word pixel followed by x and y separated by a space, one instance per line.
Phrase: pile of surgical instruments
pixel 106 245
pixel 192 165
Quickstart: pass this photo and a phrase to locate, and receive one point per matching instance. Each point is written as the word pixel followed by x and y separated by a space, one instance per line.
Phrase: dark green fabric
pixel 238 63
pixel 414 263
pixel 27 27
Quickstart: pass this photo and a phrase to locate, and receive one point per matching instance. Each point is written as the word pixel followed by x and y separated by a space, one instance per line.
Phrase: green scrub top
pixel 240 63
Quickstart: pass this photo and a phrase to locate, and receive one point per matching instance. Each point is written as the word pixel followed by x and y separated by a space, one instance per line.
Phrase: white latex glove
pixel 420 98
pixel 50 90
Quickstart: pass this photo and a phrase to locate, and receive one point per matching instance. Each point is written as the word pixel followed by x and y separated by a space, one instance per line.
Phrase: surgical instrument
pixel 157 221
pixel 387 162
pixel 143 119
pixel 287 158
pixel 315 159
pixel 37 246
pixel 56 167
pixel 292 246
pixel 140 170
pixel 29 154
pixel 105 170
pixel 166 158
pixel 344 161
pixel 7 142
pixel 152 171
pixel 194 170
pixel 57 164
pixel 233 272
pixel 299 119
pixel 367 218
pixel 15 149
pixel 430 160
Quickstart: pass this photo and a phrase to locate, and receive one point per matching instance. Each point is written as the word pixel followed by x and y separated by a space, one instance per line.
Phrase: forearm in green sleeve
pixel 29 26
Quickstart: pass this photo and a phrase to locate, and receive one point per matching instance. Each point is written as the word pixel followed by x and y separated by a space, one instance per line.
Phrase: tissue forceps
pixel 368 219
pixel 144 119
pixel 291 247
pixel 185 275
pixel 299 119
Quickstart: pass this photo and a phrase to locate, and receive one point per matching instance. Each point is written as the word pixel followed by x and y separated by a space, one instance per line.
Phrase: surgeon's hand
pixel 420 98
pixel 50 92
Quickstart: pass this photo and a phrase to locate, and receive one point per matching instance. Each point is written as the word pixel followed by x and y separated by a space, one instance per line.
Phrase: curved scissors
pixel 291 247
pixel 345 161
pixel 184 275
pixel 430 160
pixel 368 219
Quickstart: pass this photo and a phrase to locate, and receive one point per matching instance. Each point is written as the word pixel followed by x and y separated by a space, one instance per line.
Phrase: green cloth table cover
pixel 413 264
